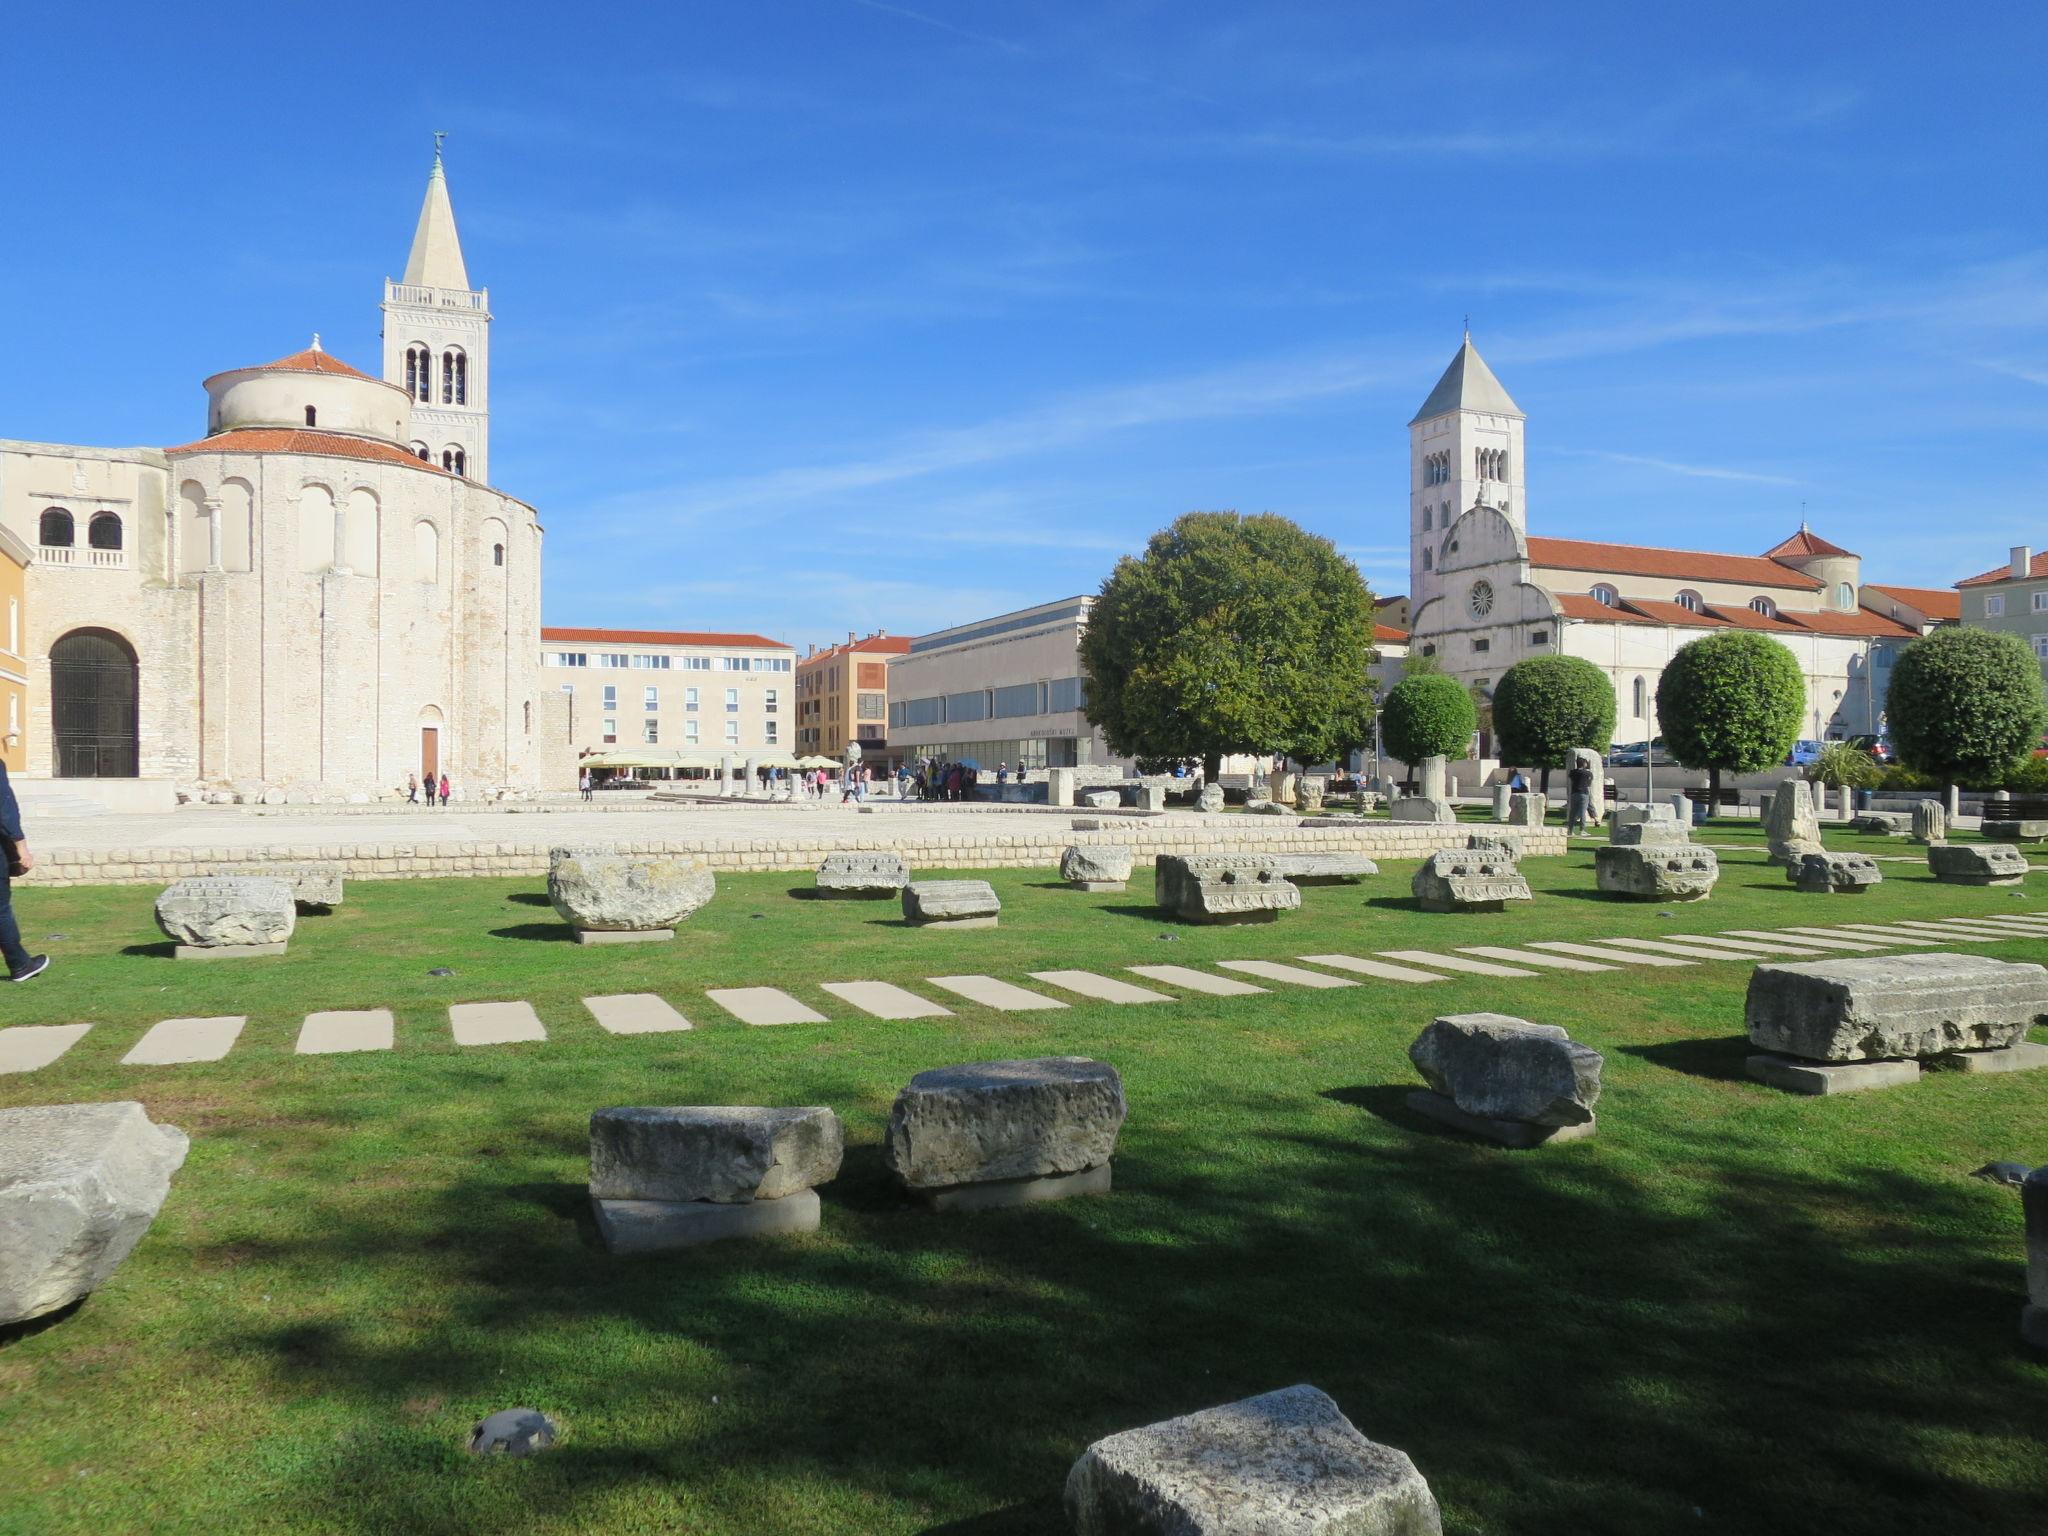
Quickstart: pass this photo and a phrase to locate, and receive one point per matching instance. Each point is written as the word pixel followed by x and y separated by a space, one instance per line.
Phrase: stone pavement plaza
pixel 170 1042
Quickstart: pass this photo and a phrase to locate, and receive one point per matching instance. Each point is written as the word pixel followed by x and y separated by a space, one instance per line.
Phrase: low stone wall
pixel 1028 847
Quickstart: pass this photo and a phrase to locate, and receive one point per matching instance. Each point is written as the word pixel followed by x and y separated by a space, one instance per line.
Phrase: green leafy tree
pixel 1427 716
pixel 1965 704
pixel 1731 702
pixel 1231 634
pixel 1841 766
pixel 1546 705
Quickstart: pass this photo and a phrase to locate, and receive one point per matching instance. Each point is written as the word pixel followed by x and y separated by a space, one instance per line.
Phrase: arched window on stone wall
pixel 104 531
pixel 452 460
pixel 1691 601
pixel 237 526
pixel 1764 606
pixel 419 451
pixel 195 538
pixel 1426 523
pixel 1642 699
pixel 316 528
pixel 426 552
pixel 419 371
pixel 1606 595
pixel 359 532
pixel 1845 596
pixel 56 530
pixel 454 377
pixel 312 417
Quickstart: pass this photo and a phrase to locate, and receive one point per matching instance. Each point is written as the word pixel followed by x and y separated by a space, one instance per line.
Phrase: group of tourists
pixel 938 779
pixel 414 787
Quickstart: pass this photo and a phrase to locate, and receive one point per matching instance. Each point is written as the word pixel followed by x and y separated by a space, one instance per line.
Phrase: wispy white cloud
pixel 940 24
pixel 2032 375
pixel 1671 467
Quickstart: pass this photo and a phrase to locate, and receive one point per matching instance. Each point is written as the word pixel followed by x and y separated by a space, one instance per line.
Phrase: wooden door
pixel 430 754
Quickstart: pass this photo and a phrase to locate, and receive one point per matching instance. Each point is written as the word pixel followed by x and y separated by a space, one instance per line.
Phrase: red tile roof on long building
pixel 1673 564
pixel 2036 568
pixel 1935 602
pixel 659 637
pixel 1787 621
pixel 1805 542
pixel 1581 605
pixel 328 445
pixel 886 645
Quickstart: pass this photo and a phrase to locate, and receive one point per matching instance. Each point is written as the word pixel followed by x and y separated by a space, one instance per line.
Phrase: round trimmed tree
pixel 1731 702
pixel 1231 634
pixel 1543 706
pixel 1427 716
pixel 1965 704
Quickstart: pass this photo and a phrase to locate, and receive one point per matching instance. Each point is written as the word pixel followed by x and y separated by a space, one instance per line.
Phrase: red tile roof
pixel 1935 602
pixel 1673 564
pixel 661 637
pixel 1386 634
pixel 1804 542
pixel 886 645
pixel 2036 568
pixel 1863 623
pixel 1748 618
pixel 326 445
pixel 1672 613
pixel 314 361
pixel 1580 605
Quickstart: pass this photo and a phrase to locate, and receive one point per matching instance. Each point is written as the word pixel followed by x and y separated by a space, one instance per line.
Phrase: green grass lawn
pixel 1732 1310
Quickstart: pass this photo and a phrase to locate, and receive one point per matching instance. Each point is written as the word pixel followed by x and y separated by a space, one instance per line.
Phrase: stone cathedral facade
pixel 314 598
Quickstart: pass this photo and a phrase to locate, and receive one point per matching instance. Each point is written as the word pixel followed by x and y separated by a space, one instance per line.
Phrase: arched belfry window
pixel 56 529
pixel 497 554
pixel 1426 523
pixel 452 461
pixel 104 532
pixel 1691 601
pixel 419 372
pixel 454 378
pixel 419 451
pixel 312 416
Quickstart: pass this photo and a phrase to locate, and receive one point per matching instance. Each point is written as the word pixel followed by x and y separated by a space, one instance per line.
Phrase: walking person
pixel 412 789
pixel 444 791
pixel 21 965
pixel 1579 796
pixel 583 784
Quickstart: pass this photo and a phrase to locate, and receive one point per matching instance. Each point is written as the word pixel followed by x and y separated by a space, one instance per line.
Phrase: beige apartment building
pixel 842 695
pixel 667 692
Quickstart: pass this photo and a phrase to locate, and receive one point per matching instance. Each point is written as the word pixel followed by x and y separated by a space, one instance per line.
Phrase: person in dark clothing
pixel 21 965
pixel 1579 799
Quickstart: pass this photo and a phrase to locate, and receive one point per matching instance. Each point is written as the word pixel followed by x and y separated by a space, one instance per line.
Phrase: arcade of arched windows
pixel 1490 463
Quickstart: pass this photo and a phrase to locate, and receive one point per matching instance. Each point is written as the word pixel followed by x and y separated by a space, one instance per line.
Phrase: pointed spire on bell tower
pixel 436 259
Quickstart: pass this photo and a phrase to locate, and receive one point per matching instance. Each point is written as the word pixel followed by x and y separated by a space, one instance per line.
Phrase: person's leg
pixel 10 932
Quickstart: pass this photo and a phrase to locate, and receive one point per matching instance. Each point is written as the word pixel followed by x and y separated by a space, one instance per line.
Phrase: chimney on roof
pixel 2022 561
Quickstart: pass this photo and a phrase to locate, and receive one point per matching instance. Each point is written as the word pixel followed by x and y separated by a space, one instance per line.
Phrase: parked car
pixel 1640 754
pixel 1877 746
pixel 1803 752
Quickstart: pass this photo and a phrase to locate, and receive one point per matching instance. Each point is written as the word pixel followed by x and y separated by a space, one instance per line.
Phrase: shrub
pixel 1546 705
pixel 1965 704
pixel 1731 701
pixel 1841 765
pixel 1428 716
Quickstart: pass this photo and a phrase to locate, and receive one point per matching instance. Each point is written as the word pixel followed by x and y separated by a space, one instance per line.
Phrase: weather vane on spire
pixel 1468 327
pixel 439 135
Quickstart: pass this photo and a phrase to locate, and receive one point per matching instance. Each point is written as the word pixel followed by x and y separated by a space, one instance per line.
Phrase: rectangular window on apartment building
pixel 2041 647
pixel 771 703
pixel 651 697
pixel 772 727
pixel 566 658
pixel 611 732
pixel 1017 699
pixel 689 733
pixel 650 732
pixel 1044 698
pixel 732 733
pixel 872 706
pixel 732 699
pixel 611 696
pixel 689 698
pixel 617 660
pixel 1994 604
pixel 2041 602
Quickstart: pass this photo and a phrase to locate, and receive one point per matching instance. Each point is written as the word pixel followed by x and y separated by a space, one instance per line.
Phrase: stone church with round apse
pixel 319 596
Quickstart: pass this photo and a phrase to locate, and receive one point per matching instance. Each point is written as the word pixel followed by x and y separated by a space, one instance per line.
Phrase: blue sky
pixel 818 315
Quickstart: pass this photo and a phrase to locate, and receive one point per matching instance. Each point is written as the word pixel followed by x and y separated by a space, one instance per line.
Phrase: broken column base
pixel 1794 1075
pixel 224 951
pixel 1519 1134
pixel 2023 1057
pixel 655 1226
pixel 1007 1192
pixel 623 935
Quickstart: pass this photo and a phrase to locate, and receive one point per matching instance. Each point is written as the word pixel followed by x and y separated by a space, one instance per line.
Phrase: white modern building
pixel 1485 592
pixel 315 598
pixel 651 692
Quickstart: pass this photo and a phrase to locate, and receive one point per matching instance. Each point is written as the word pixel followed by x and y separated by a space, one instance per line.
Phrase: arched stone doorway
pixel 432 764
pixel 93 687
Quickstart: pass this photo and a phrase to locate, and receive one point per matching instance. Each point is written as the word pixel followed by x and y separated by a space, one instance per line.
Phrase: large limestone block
pixel 1893 1006
pixel 999 1120
pixel 1102 799
pixel 1096 866
pixel 1977 863
pixel 1657 872
pixel 1439 812
pixel 1287 1463
pixel 1845 874
pixel 1223 887
pixel 79 1186
pixel 938 903
pixel 1526 809
pixel 1308 797
pixel 1884 823
pixel 1468 880
pixel 727 1153
pixel 1504 1068
pixel 1792 826
pixel 1498 845
pixel 1641 825
pixel 313 885
pixel 859 875
pixel 1323 868
pixel 2015 831
pixel 1930 822
pixel 1282 786
pixel 209 911
pixel 1210 800
pixel 608 892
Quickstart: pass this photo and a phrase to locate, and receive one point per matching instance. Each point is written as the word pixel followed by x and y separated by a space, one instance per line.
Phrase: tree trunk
pixel 1713 793
pixel 1546 781
pixel 1212 767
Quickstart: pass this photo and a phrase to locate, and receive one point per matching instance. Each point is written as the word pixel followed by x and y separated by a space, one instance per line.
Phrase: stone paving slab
pixel 2017 920
pixel 1530 957
pixel 1989 932
pixel 1600 952
pixel 1764 947
pixel 354 1029
pixel 1833 941
pixel 1689 951
pixel 886 1001
pixel 1456 963
pixel 635 1013
pixel 180 1040
pixel 1104 989
pixel 1273 970
pixel 1204 982
pixel 991 993
pixel 1378 968
pixel 763 1005
pixel 1895 937
pixel 494 1023
pixel 26 1047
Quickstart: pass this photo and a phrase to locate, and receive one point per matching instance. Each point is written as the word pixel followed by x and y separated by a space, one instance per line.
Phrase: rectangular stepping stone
pixel 2015 920
pixel 1598 952
pixel 635 1013
pixel 885 1001
pixel 1986 931
pixel 2000 924
pixel 763 1005
pixel 1689 951
pixel 1195 981
pixel 1898 938
pixel 494 1023
pixel 1273 970
pixel 1530 957
pixel 1768 945
pixel 29 1046
pixel 352 1029
pixel 1104 989
pixel 991 993
pixel 1833 941
pixel 1379 968
pixel 1455 963
pixel 179 1040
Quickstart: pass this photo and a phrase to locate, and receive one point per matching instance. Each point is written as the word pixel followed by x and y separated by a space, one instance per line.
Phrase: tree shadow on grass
pixel 1034 1515
pixel 529 898
pixel 1389 1102
pixel 545 933
pixel 1719 1060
